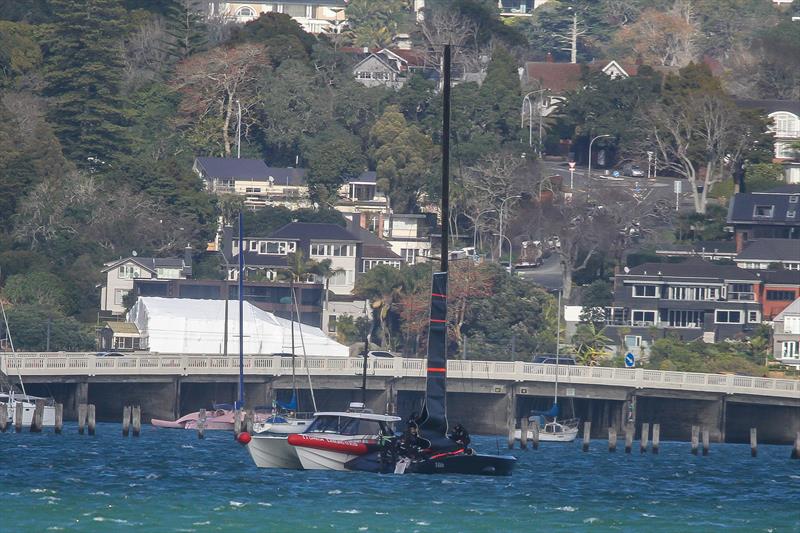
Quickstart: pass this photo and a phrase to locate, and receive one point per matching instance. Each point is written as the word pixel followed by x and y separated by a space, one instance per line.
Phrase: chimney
pixel 549 57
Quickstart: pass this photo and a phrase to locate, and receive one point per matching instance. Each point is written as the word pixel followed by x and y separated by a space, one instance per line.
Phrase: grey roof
pixel 287 176
pixel 771 106
pixel 315 231
pixel 771 250
pixel 743 205
pixel 368 176
pixel 700 246
pixel 692 268
pixel 228 167
pixel 373 246
pixel 781 277
pixel 149 263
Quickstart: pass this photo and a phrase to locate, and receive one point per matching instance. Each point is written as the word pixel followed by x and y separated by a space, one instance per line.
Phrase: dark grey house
pixel 773 214
pixel 695 299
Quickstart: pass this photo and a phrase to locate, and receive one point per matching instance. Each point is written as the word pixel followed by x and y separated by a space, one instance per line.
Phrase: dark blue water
pixel 167 480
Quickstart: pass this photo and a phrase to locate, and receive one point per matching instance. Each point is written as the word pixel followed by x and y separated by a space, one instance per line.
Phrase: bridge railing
pixel 87 364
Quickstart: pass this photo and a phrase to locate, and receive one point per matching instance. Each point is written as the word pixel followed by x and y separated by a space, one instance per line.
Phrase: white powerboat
pixel 269 446
pixel 335 438
pixel 12 399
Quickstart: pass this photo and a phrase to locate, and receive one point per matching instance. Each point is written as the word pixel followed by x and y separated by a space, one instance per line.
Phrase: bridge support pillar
pixel 81 395
pixel 723 415
pixel 176 399
pixel 511 407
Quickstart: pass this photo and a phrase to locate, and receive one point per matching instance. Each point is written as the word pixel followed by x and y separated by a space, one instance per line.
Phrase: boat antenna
pixel 305 355
pixel 11 343
pixel 240 400
pixel 291 315
pixel 445 155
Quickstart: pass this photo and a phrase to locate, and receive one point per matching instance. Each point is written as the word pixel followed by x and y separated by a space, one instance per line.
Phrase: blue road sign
pixel 630 360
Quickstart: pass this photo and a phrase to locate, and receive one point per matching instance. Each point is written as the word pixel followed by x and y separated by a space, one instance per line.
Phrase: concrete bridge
pixel 484 395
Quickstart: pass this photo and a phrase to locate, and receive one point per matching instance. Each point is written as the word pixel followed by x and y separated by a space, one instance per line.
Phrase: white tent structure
pixel 189 326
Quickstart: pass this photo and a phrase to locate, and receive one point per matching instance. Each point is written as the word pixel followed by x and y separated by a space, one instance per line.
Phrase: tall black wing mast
pixel 433 420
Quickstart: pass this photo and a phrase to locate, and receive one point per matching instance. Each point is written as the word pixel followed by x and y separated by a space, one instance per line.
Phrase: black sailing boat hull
pixel 476 464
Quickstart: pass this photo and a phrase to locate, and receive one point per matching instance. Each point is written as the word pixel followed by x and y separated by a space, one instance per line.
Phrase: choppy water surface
pixel 167 480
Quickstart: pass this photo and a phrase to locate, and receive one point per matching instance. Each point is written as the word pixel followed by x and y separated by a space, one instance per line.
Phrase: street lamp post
pixel 589 172
pixel 475 229
pixel 502 206
pixel 510 252
pixel 527 100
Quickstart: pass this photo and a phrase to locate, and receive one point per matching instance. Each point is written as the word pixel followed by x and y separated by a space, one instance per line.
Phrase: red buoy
pixel 244 438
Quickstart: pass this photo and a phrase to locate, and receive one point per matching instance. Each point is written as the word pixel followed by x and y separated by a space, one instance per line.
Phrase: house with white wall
pixel 314 16
pixel 785 126
pixel 786 335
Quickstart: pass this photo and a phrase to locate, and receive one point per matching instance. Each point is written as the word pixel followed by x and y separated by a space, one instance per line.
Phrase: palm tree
pixel 382 285
pixel 590 343
pixel 326 271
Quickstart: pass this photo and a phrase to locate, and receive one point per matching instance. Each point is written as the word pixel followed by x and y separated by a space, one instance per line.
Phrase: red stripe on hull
pixel 437 370
pixel 342 446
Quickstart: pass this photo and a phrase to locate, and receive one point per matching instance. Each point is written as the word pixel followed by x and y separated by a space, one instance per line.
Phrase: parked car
pixel 109 354
pixel 634 171
pixel 551 360
pixel 377 353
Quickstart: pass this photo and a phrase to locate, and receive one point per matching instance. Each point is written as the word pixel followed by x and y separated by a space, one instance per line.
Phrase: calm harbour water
pixel 168 480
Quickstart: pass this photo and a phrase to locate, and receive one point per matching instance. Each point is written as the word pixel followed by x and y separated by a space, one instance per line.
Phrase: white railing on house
pixel 63 364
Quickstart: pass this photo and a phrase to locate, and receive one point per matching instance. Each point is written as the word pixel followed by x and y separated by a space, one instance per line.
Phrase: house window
pixel 617 316
pixel 129 272
pixel 332 324
pixel 727 317
pixel 791 213
pixel 644 291
pixel 791 266
pixel 633 341
pixel 753 317
pixel 409 255
pixel 245 12
pixel 780 296
pixel 741 292
pixel 342 278
pixel 252 189
pixel 794 199
pixel 253 246
pixel 693 293
pixel 295 10
pixel 119 295
pixel 763 211
pixel 790 350
pixel 643 318
pixel 685 319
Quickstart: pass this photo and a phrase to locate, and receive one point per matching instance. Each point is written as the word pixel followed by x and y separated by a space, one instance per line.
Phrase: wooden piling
pixel 695 439
pixel 201 424
pixel 249 415
pixel 587 435
pixel 38 417
pixel 511 434
pixel 753 442
pixel 534 427
pixel 126 420
pixel 237 423
pixel 612 440
pixel 629 431
pixel 523 433
pixel 18 414
pixel 656 437
pixel 705 441
pixel 59 415
pixel 91 423
pixel 136 419
pixel 645 437
pixel 796 447
pixel 82 408
pixel 3 417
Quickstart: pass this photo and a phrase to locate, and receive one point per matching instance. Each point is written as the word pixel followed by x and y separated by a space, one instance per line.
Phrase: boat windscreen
pixel 342 425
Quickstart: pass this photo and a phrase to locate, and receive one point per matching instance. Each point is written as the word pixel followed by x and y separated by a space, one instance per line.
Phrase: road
pixel 548 275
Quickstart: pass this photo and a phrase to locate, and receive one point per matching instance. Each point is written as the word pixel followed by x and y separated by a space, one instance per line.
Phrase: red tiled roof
pixel 562 77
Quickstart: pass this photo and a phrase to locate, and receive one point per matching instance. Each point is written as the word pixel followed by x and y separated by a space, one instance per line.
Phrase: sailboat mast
pixel 558 342
pixel 240 401
pixel 445 155
pixel 291 314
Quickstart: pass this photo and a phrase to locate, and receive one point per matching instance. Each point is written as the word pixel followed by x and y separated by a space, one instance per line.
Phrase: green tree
pixel 500 96
pixel 29 324
pixel 83 77
pixel 186 29
pixel 19 51
pixel 404 159
pixel 279 33
pixel 334 156
pixel 36 288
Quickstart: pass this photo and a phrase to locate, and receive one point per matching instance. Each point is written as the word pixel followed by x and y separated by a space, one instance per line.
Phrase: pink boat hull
pixel 221 419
